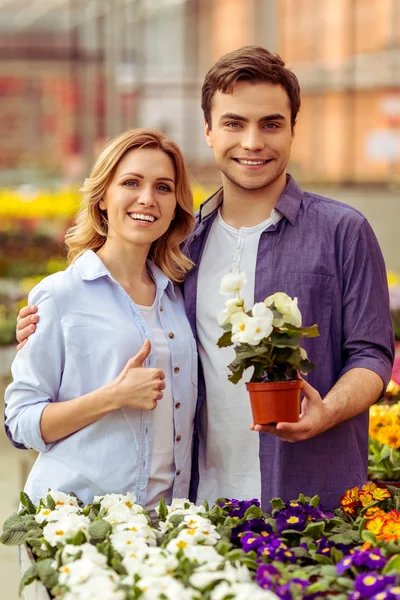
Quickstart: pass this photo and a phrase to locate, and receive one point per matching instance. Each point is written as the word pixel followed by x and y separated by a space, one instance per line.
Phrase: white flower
pixel 59 531
pixel 167 588
pixel 205 556
pixel 294 315
pixel 281 300
pixel 258 328
pixel 239 328
pixel 78 571
pixel 101 585
pixel 241 591
pixel 287 307
pixel 62 499
pixel 233 573
pixel 232 306
pixel 70 552
pixel 232 282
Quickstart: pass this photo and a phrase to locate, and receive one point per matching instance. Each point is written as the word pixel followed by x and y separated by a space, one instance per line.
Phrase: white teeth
pixel 140 217
pixel 251 162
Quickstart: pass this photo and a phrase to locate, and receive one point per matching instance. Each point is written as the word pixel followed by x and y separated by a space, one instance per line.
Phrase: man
pixel 287 240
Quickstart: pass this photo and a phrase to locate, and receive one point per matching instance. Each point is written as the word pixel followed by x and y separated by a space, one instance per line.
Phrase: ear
pixel 102 204
pixel 293 132
pixel 207 134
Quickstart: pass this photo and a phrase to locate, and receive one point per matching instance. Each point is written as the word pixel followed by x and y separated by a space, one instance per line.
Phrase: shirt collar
pixel 288 204
pixel 90 267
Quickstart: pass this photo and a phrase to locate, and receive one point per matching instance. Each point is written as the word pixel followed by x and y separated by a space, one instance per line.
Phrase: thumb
pixel 138 360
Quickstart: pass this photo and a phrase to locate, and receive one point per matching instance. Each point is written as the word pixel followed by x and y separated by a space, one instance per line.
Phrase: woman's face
pixel 140 200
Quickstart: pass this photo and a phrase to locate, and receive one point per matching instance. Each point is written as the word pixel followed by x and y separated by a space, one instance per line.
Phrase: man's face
pixel 251 134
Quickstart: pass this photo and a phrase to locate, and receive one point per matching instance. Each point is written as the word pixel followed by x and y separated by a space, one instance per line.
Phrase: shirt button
pixel 176 370
pixel 161 309
pixel 178 405
pixel 171 335
pixel 178 438
pixel 178 472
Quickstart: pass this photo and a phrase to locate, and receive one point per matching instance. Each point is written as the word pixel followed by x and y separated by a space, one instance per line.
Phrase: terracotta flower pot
pixel 383 483
pixel 275 401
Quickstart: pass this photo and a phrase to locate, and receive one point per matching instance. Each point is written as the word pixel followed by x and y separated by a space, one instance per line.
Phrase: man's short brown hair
pixel 254 64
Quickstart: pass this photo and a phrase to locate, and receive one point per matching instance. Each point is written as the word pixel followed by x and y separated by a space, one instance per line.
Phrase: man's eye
pixel 233 125
pixel 271 126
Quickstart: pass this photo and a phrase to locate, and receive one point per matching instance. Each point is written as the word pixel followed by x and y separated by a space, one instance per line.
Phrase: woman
pixel 105 390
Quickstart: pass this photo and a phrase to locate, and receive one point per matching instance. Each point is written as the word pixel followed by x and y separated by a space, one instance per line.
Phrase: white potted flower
pixel 267 337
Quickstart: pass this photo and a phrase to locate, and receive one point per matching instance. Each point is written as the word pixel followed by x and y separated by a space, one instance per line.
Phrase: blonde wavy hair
pixel 91 226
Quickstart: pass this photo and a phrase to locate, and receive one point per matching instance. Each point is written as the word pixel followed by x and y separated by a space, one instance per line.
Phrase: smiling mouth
pixel 251 162
pixel 142 217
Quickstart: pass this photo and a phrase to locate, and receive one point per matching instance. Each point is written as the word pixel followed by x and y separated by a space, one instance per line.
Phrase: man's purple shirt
pixel 325 253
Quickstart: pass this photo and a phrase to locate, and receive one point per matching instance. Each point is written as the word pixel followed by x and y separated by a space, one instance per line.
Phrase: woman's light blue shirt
pixel 89 328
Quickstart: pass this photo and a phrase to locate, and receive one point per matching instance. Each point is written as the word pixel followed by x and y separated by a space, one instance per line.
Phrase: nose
pixel 252 139
pixel 146 197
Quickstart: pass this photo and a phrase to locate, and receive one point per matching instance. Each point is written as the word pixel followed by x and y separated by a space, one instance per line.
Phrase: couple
pixel 80 398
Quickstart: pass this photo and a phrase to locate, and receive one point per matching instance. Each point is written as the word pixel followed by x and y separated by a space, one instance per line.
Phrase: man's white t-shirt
pixel 229 450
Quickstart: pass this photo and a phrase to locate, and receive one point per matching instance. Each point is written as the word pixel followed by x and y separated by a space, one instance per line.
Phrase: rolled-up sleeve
pixel 368 340
pixel 37 372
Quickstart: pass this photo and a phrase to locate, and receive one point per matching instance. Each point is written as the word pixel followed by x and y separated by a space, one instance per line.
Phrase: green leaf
pixel 315 530
pixel 225 340
pixel 368 536
pixel 27 502
pixel 78 539
pixel 163 510
pixel 28 577
pixel 345 582
pixel 393 565
pixel 237 375
pixel 14 520
pixel 277 504
pixel 13 537
pixel 253 512
pixel 98 531
pixel 310 332
pixel 48 575
pixel 314 501
pixel 51 503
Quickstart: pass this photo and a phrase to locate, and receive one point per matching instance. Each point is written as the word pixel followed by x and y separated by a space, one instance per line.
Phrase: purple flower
pixel 290 518
pixel 237 508
pixel 254 525
pixel 267 576
pixel 285 591
pixel 344 564
pixel 276 550
pixel 250 541
pixel 370 584
pixel 372 559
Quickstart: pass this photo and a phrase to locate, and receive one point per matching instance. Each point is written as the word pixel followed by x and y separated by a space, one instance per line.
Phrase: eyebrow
pixel 142 177
pixel 235 117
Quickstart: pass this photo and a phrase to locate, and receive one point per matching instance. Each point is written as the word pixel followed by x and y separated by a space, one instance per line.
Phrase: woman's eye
pixel 164 188
pixel 131 183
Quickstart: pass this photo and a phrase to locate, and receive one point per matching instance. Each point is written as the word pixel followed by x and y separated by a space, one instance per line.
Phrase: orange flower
pixel 350 500
pixel 374 511
pixel 371 492
pixel 375 524
pixel 390 530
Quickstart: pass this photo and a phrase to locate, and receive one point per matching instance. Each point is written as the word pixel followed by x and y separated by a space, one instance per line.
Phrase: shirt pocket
pixel 315 293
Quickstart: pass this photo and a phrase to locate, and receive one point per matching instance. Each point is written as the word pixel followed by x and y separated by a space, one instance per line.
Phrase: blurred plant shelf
pixel 36 590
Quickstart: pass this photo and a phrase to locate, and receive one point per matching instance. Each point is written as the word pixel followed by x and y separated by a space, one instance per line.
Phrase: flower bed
pixel 112 550
pixel 384 442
